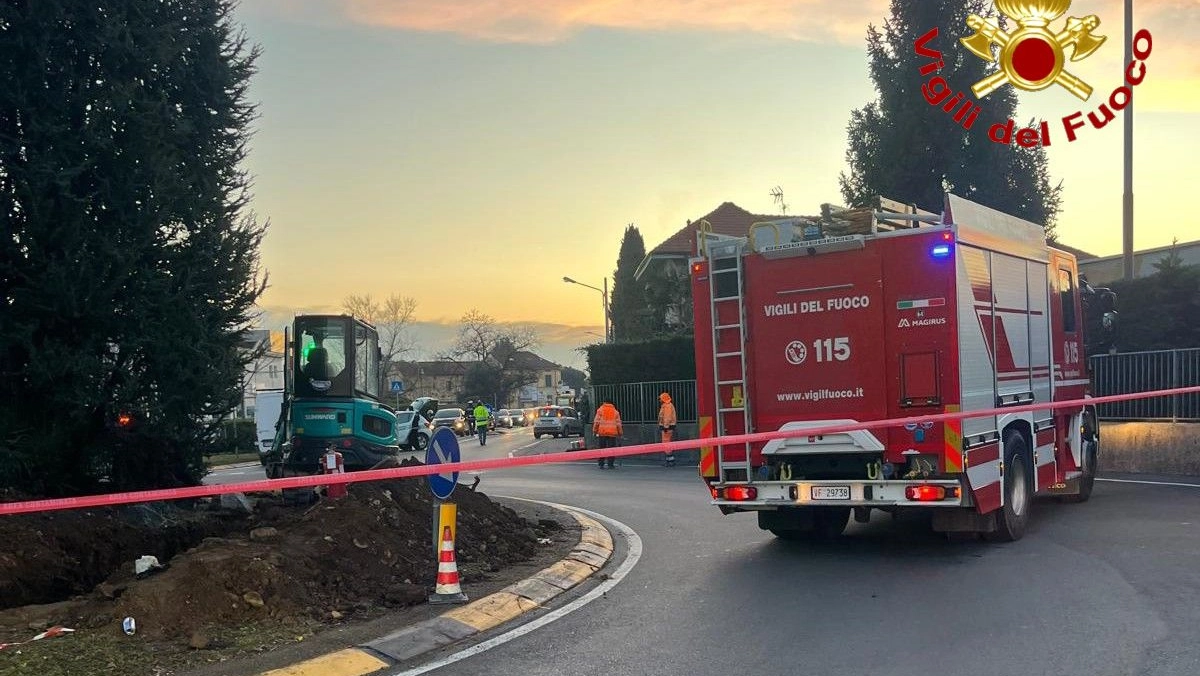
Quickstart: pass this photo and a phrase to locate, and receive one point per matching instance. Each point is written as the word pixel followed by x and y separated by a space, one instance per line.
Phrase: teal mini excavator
pixel 332 398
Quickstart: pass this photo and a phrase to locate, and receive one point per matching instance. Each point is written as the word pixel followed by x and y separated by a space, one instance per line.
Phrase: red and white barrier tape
pixel 266 485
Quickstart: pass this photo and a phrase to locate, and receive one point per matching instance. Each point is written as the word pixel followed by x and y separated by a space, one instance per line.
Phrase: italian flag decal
pixel 924 302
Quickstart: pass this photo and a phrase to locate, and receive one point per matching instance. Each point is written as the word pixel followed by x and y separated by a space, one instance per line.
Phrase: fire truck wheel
pixel 1011 520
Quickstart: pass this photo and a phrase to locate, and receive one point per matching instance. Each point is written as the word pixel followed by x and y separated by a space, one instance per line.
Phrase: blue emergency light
pixel 942 249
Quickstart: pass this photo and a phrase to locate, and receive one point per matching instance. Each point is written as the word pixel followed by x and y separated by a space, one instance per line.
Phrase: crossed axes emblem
pixel 1031 57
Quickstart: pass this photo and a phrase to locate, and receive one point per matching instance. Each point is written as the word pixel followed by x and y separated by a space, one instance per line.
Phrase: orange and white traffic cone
pixel 448 589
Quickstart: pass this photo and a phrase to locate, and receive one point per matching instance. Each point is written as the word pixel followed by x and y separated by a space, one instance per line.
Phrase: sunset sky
pixel 470 153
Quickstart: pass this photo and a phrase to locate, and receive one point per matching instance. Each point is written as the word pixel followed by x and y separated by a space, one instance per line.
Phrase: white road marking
pixel 1149 483
pixel 631 558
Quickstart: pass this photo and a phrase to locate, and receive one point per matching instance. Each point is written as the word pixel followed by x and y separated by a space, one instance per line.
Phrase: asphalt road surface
pixel 1109 587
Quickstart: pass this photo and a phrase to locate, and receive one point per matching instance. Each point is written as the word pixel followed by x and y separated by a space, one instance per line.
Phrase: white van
pixel 268 404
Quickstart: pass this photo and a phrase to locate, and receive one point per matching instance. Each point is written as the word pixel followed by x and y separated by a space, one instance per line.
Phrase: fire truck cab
pixel 883 314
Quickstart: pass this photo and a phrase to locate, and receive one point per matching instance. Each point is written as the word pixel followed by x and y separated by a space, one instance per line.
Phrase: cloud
pixel 844 22
pixel 548 21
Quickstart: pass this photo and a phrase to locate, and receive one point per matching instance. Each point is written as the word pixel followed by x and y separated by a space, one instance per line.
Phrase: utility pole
pixel 607 321
pixel 1127 201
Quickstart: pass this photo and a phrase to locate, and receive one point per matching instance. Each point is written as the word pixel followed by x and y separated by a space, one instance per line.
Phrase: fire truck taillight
pixel 697 268
pixel 736 493
pixel 925 493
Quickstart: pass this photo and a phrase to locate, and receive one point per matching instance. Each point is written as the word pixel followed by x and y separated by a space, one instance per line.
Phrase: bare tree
pixel 498 367
pixel 393 316
pixel 477 337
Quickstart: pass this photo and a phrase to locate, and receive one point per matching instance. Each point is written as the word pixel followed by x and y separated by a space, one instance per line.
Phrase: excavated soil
pixel 282 565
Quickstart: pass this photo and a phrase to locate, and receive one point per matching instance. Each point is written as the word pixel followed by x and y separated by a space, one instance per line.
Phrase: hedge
pixel 233 436
pixel 659 359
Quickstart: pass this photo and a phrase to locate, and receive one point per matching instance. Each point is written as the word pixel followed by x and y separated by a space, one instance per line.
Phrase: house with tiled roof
pixel 727 219
pixel 445 379
pixel 666 265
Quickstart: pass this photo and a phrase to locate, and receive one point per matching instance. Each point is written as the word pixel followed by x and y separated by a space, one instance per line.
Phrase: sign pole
pixel 434 531
pixel 443 448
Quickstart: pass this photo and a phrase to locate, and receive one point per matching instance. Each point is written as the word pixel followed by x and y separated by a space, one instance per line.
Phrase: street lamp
pixel 604 293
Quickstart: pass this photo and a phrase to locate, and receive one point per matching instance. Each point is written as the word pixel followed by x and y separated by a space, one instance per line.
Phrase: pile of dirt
pixel 286 564
pixel 52 556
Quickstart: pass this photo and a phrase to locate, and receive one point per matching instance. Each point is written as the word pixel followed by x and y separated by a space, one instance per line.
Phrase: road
pixel 1104 588
pixel 500 444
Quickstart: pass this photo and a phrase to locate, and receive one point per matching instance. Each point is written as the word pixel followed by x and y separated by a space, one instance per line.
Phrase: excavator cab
pixel 333 397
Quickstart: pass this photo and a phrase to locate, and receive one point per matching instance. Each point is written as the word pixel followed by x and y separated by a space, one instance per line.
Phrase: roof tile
pixel 727 219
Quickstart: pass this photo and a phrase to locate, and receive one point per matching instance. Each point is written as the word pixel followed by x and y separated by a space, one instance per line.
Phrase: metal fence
pixel 1145 371
pixel 1111 374
pixel 638 402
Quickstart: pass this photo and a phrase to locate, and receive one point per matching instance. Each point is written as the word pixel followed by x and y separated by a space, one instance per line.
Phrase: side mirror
pixel 1109 321
pixel 1108 302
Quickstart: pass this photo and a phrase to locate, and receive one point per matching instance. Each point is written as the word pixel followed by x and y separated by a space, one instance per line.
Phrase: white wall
pixel 264 373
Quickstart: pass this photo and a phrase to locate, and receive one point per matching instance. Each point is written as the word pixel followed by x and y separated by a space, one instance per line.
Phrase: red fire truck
pixel 910 314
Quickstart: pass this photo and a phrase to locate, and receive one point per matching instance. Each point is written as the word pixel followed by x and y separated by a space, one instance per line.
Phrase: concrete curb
pixel 593 551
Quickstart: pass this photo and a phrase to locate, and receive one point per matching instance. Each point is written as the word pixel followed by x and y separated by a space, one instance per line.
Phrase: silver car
pixel 557 421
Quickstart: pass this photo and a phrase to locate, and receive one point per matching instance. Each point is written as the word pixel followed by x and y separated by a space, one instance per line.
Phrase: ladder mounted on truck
pixel 723 253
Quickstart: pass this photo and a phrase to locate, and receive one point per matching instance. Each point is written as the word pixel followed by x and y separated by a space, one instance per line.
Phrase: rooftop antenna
pixel 777 193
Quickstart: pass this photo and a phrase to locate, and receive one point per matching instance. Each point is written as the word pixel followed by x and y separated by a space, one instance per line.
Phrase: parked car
pixel 517 416
pixel 413 431
pixel 557 421
pixel 454 418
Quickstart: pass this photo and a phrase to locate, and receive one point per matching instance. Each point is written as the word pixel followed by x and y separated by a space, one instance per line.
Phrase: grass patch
pixel 230 459
pixel 110 652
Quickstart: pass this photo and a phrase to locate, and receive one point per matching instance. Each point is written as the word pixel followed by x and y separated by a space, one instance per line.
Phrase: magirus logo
pixel 909 323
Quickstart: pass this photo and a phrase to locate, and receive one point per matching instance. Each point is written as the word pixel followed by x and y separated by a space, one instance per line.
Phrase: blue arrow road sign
pixel 397 385
pixel 443 448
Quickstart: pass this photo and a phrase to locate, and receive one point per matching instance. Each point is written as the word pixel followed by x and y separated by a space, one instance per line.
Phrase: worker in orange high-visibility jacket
pixel 607 428
pixel 666 422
